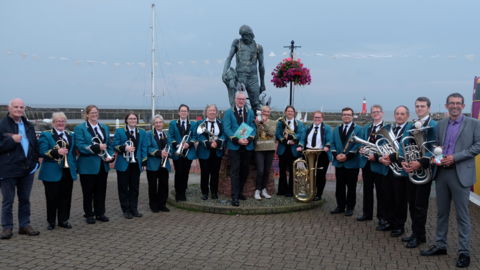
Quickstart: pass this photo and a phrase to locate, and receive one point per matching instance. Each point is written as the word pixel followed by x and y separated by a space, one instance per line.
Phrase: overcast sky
pixel 428 33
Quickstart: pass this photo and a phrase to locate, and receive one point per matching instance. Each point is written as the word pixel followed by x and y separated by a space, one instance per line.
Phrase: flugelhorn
pixel 202 128
pixel 129 156
pixel 305 175
pixel 59 145
pixel 180 149
pixel 165 159
pixel 103 153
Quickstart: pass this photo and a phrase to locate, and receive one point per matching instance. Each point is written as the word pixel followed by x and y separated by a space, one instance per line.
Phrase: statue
pixel 247 53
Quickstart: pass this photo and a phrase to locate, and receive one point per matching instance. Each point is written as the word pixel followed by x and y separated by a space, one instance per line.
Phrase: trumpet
pixel 165 159
pixel 185 139
pixel 103 153
pixel 288 129
pixel 129 156
pixel 414 152
pixel 59 145
pixel 202 128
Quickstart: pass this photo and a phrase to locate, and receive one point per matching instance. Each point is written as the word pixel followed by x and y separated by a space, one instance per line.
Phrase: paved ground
pixel 312 239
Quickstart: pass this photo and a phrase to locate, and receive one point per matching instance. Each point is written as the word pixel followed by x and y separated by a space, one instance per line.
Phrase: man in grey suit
pixel 460 136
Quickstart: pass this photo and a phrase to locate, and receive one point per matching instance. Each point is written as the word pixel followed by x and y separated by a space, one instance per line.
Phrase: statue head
pixel 247 34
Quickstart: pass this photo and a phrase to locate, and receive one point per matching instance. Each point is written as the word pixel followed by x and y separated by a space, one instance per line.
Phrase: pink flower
pixel 298 60
pixel 289 59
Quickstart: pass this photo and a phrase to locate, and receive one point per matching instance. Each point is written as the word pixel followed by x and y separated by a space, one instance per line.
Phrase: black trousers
pixel 372 180
pixel 94 188
pixel 395 191
pixel 157 188
pixel 239 169
pixel 59 197
pixel 128 183
pixel 418 197
pixel 346 178
pixel 264 160
pixel 182 170
pixel 286 163
pixel 210 169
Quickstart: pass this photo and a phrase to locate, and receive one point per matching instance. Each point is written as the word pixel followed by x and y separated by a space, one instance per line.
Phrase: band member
pixel 210 151
pixel 92 139
pixel 239 150
pixel 177 130
pixel 318 136
pixel 56 148
pixel 346 161
pixel 373 171
pixel 19 159
pixel 131 142
pixel 455 176
pixel 264 151
pixel 287 150
pixel 418 195
pixel 158 166
pixel 395 187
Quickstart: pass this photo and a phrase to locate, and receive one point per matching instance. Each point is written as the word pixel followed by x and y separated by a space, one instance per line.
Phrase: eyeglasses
pixel 455 104
pixel 132 118
pixel 183 111
pixel 346 115
pixel 317 117
pixel 60 122
pixel 241 99
pixel 93 113
pixel 377 112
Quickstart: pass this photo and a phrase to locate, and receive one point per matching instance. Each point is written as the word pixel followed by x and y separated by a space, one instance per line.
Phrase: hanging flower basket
pixel 290 70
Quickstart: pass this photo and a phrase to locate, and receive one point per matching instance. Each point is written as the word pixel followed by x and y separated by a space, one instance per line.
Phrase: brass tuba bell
pixel 305 175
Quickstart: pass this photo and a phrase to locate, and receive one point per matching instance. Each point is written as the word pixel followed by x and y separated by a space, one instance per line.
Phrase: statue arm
pixel 228 61
pixel 261 69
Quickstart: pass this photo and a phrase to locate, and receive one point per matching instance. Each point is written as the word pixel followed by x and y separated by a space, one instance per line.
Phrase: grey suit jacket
pixel 467 146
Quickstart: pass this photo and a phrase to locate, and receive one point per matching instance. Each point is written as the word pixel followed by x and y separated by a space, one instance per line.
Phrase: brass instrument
pixel 59 145
pixel 202 128
pixel 288 129
pixel 414 152
pixel 129 156
pixel 103 153
pixel 304 181
pixel 369 148
pixel 185 139
pixel 163 164
pixel 388 145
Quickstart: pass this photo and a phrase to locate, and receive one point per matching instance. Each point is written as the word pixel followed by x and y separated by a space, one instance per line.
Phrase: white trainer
pixel 265 194
pixel 257 195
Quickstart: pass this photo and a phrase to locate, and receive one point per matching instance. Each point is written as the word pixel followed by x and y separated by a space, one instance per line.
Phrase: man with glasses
pixel 346 162
pixel 454 176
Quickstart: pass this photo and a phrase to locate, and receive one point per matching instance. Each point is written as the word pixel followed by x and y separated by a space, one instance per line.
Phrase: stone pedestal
pixel 225 185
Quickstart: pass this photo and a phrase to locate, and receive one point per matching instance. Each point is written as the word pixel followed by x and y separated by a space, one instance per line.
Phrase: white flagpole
pixel 153 61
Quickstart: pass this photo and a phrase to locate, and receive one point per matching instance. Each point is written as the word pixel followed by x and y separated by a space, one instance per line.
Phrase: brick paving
pixel 312 239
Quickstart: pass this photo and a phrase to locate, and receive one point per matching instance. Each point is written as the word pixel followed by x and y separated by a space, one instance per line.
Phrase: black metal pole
pixel 291 94
pixel 292 47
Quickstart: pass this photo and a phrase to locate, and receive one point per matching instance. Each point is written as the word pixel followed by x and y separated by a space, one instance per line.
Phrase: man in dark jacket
pixel 18 163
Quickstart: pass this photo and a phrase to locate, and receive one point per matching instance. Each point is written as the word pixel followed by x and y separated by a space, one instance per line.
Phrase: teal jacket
pixel 50 170
pixel 119 140
pixel 282 142
pixel 325 134
pixel 89 161
pixel 176 137
pixel 337 146
pixel 230 126
pixel 203 148
pixel 154 153
pixel 375 166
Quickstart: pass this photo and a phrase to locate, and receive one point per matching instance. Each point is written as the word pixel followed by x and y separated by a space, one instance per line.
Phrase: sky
pixel 414 42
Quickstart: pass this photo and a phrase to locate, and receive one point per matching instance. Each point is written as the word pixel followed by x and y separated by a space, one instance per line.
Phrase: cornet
pixel 103 153
pixel 129 156
pixel 185 139
pixel 59 145
pixel 165 159
pixel 202 128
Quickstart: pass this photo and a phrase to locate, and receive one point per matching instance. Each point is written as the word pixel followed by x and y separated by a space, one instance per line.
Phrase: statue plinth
pixel 225 185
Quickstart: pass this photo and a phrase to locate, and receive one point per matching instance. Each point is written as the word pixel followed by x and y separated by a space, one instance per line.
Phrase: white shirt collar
pixel 93 126
pixel 424 119
pixel 58 132
pixel 129 130
pixel 238 109
pixel 402 125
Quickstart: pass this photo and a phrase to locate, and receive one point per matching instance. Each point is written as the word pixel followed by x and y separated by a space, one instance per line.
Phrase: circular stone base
pixel 277 204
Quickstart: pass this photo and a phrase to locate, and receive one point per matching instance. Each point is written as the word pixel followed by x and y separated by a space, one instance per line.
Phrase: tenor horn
pixel 305 175
pixel 369 148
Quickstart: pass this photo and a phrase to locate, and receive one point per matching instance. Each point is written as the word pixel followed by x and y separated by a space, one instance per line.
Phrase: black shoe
pixel 90 220
pixel 434 251
pixel 463 261
pixel 349 212
pixel 127 215
pixel 363 218
pixel 415 242
pixel 137 214
pixel 235 202
pixel 407 239
pixel 242 197
pixel 280 193
pixel 384 228
pixel 337 210
pixel 316 198
pixel 164 209
pixel 155 210
pixel 288 195
pixel 397 232
pixel 214 196
pixel 102 218
pixel 382 222
pixel 204 197
pixel 51 226
pixel 183 197
pixel 65 225
pixel 177 197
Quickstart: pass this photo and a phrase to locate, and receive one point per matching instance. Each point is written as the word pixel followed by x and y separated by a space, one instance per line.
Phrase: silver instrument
pixel 185 139
pixel 58 145
pixel 388 145
pixel 103 153
pixel 369 148
pixel 202 128
pixel 129 156
pixel 414 152
pixel 165 159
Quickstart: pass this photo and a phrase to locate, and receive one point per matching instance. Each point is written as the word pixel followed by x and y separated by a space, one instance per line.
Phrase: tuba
pixel 61 144
pixel 414 152
pixel 185 139
pixel 288 129
pixel 305 175
pixel 202 128
pixel 388 145
pixel 103 153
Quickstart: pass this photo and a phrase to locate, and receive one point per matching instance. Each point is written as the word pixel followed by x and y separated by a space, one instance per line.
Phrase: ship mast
pixel 153 61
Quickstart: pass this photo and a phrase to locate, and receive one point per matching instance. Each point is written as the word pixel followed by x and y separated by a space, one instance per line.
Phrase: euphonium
pixel 304 177
pixel 58 145
pixel 369 148
pixel 388 145
pixel 414 152
pixel 129 156
pixel 165 159
pixel 185 139
pixel 103 153
pixel 288 129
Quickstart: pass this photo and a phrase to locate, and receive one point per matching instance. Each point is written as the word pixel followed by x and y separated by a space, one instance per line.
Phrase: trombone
pixel 185 139
pixel 103 153
pixel 60 144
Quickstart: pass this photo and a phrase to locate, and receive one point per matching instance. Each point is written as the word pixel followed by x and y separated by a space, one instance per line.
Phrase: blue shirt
pixel 24 141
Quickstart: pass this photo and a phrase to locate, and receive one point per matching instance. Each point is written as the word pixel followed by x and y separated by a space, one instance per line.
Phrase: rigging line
pixel 165 82
pixel 130 87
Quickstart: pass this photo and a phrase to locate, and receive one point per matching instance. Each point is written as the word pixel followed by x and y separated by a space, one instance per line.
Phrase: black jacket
pixel 13 162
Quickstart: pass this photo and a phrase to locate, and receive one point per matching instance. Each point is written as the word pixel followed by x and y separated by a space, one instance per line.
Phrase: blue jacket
pixel 119 140
pixel 176 137
pixel 50 170
pixel 326 135
pixel 203 148
pixel 282 143
pixel 337 146
pixel 375 166
pixel 89 161
pixel 154 153
pixel 230 126
pixel 425 160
